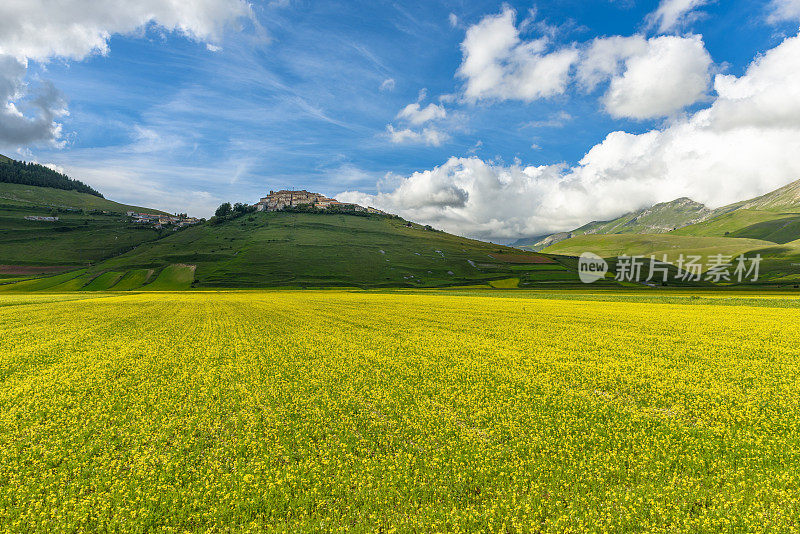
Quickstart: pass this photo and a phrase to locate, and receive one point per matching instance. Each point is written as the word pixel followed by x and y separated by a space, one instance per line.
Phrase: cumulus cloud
pixel 428 136
pixel 666 75
pixel 648 78
pixel 742 145
pixel 674 14
pixel 417 115
pixel 40 30
pixel 498 64
pixel 27 117
pixel 605 58
pixel 780 10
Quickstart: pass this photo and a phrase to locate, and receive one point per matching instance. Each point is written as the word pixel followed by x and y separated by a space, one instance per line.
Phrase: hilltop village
pixel 159 221
pixel 279 200
pixel 283 200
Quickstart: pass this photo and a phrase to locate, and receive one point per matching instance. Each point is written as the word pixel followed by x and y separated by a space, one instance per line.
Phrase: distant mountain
pixel 19 172
pixel 785 199
pixel 768 225
pixel 658 219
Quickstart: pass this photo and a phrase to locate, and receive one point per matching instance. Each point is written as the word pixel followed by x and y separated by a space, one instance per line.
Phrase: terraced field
pixel 424 411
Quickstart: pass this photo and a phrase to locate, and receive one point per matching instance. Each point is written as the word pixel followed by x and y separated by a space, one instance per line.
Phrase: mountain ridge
pixel 684 216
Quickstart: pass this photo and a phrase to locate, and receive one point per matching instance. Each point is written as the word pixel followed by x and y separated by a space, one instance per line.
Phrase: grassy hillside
pixel 781 263
pixel 75 239
pixel 748 223
pixel 787 198
pixel 83 234
pixel 768 225
pixel 20 172
pixel 29 195
pixel 302 249
pixel 610 246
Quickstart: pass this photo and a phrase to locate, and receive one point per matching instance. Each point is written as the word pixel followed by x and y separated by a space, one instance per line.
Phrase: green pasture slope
pixel 614 245
pixel 133 279
pixel 323 250
pixel 82 235
pixel 172 278
pixel 315 250
pixel 780 262
pixel 30 196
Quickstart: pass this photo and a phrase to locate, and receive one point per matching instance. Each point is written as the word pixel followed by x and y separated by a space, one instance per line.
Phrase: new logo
pixel 591 267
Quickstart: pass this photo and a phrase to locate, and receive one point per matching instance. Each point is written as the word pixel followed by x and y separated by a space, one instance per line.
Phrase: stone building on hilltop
pixel 278 200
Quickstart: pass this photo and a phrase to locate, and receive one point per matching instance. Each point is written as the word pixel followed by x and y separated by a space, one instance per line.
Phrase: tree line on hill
pixel 19 172
pixel 226 212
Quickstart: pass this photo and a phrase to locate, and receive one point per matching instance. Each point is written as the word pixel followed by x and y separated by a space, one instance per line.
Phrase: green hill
pixel 283 249
pixel 760 225
pixel 748 223
pixel 254 250
pixel 20 172
pixel 609 246
pixel 774 217
pixel 23 196
pixel 322 250
pixel 786 198
pixel 89 228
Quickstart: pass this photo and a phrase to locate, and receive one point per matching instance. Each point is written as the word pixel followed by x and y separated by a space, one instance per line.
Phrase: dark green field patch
pixel 104 282
pixel 172 278
pixel 538 267
pixel 778 231
pixel 133 279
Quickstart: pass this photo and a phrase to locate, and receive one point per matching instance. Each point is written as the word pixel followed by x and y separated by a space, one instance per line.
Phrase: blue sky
pixel 307 94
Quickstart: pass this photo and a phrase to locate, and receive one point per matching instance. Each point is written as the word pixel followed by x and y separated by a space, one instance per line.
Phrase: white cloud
pixel 555 120
pixel 670 74
pixel 636 68
pixel 605 58
pixel 780 10
pixel 41 108
pixel 744 144
pixel 429 136
pixel 453 20
pixel 674 14
pixel 498 64
pixel 417 115
pixel 41 29
pixel 387 84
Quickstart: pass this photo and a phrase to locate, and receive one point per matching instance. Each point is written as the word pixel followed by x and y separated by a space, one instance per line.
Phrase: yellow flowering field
pixel 337 411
